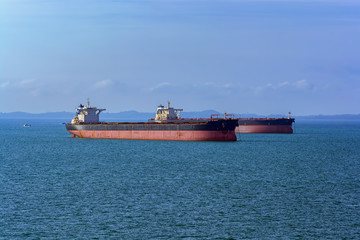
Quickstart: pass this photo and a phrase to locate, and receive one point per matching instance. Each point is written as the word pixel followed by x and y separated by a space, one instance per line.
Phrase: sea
pixel 304 185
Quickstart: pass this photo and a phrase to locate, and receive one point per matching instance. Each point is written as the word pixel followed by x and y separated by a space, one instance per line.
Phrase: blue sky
pixel 262 56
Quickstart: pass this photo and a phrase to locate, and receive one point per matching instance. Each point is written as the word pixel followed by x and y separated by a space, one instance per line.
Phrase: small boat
pixel 27 125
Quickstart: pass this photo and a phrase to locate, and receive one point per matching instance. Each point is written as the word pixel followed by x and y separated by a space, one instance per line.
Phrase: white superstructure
pixel 87 114
pixel 167 113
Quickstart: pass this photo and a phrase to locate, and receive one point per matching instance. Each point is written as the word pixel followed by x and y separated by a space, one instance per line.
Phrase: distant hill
pixel 144 116
pixel 330 117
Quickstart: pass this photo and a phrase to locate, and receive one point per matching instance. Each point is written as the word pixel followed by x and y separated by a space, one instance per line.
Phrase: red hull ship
pixel 265 125
pixel 167 125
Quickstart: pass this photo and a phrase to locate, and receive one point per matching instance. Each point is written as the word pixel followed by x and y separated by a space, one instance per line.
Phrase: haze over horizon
pixel 261 57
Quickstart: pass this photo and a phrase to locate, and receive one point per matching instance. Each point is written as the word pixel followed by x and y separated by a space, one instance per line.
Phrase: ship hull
pixel 222 130
pixel 265 125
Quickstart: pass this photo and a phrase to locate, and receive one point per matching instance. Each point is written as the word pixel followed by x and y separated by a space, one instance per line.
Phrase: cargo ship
pixel 265 125
pixel 167 125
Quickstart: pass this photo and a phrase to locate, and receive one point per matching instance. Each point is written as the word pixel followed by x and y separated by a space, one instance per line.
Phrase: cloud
pixel 225 85
pixel 26 83
pixel 34 92
pixel 297 86
pixel 160 85
pixel 103 83
pixel 4 84
pixel 302 84
pixel 208 87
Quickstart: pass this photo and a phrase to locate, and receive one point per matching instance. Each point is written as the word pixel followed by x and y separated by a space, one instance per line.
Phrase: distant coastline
pixel 143 116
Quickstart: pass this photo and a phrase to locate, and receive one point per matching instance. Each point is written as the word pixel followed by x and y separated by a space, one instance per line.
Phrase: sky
pixel 238 56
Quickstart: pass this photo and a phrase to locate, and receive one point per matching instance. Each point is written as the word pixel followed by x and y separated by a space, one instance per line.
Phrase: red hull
pixel 264 129
pixel 159 135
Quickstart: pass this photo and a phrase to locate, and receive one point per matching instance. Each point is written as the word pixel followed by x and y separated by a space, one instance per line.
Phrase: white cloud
pixel 4 84
pixel 34 92
pixel 26 82
pixel 162 84
pixel 298 85
pixel 103 83
pixel 302 84
pixel 212 84
pixel 283 84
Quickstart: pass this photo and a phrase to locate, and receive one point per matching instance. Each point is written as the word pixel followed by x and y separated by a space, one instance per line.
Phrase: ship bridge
pixel 87 114
pixel 167 113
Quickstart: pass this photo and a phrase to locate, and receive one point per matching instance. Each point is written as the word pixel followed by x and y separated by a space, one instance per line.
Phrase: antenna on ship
pixel 289 115
pixel 88 102
pixel 168 103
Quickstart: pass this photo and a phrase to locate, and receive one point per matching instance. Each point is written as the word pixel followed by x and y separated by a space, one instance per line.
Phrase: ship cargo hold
pixel 265 125
pixel 167 125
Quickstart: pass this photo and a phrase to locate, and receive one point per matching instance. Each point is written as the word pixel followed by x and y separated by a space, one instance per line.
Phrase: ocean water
pixel 264 186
